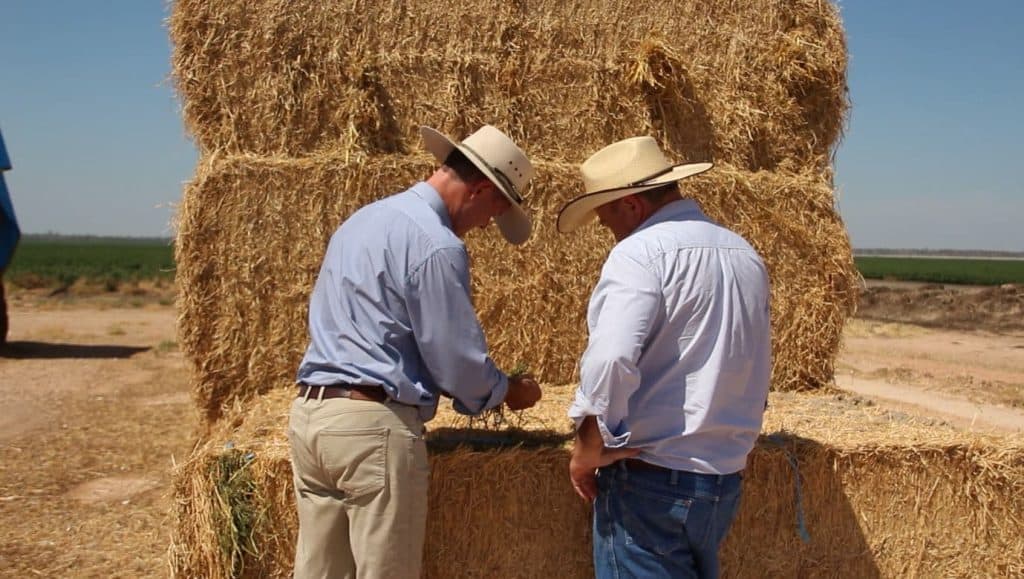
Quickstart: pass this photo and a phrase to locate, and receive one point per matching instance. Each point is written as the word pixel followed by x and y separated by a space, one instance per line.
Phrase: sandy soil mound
pixel 996 309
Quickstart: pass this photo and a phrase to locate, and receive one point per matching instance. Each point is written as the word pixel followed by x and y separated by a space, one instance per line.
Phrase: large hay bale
pixel 305 111
pixel 253 230
pixel 758 85
pixel 878 494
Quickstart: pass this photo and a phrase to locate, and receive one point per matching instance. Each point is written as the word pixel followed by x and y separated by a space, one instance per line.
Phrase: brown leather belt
pixel 637 464
pixel 351 391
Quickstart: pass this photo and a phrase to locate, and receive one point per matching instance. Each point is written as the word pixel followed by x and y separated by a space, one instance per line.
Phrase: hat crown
pixel 623 164
pixel 502 155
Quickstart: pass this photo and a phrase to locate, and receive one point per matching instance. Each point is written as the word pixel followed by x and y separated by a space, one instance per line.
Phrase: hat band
pixel 649 177
pixel 638 183
pixel 508 186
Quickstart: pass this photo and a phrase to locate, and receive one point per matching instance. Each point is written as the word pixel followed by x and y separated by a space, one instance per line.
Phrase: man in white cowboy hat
pixel 674 380
pixel 392 330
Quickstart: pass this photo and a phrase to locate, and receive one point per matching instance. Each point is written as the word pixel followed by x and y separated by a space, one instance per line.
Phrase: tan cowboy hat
pixel 617 171
pixel 502 162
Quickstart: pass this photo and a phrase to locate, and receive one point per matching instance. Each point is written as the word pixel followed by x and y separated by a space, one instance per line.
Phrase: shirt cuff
pixel 497 396
pixel 610 440
pixel 582 408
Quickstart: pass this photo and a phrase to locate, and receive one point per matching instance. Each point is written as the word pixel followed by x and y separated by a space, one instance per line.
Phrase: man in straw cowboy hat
pixel 392 329
pixel 674 379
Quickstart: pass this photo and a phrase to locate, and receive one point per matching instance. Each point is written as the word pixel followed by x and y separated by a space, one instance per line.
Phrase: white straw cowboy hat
pixel 619 170
pixel 502 162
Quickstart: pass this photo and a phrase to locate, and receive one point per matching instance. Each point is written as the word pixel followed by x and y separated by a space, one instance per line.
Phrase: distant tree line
pixel 94 239
pixel 981 253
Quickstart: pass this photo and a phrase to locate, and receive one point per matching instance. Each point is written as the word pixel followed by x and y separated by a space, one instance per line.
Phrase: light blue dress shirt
pixel 679 357
pixel 392 307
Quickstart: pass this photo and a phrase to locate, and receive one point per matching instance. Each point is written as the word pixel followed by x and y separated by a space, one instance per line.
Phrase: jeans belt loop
pixel 623 473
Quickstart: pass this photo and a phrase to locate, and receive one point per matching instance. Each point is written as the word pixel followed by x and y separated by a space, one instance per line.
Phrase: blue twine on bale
pixel 801 524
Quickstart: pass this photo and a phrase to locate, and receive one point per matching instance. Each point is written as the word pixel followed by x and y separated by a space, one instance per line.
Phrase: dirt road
pixel 96 409
pixel 955 352
pixel 974 379
pixel 973 416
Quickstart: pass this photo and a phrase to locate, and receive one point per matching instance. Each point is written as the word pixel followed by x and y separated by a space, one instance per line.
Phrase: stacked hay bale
pixel 305 111
pixel 858 492
pixel 253 231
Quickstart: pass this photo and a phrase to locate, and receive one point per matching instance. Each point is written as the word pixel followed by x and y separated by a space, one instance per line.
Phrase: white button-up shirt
pixel 679 358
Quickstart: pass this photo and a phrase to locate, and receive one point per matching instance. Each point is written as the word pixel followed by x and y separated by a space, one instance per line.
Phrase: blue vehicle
pixel 9 235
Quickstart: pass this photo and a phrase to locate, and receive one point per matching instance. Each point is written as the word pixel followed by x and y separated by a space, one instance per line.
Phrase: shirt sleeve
pixel 621 314
pixel 448 333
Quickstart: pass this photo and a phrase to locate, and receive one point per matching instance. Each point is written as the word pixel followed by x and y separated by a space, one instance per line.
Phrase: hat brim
pixel 514 224
pixel 580 211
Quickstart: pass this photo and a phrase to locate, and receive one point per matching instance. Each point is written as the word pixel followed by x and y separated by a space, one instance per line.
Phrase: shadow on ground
pixel 47 350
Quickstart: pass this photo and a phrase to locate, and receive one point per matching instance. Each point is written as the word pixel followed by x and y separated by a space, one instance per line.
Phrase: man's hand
pixel 523 392
pixel 589 454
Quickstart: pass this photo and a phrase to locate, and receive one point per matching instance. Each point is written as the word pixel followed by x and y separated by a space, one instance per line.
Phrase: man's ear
pixel 634 204
pixel 478 187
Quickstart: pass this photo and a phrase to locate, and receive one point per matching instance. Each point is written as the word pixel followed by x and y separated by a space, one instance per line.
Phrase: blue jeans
pixel 655 523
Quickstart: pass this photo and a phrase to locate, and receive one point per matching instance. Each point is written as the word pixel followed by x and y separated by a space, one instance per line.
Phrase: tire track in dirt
pixel 958 411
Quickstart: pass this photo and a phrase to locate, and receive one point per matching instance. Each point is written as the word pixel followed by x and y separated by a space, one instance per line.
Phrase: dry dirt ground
pixel 96 409
pixel 951 352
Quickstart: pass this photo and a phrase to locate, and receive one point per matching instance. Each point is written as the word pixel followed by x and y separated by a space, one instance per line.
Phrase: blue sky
pixel 936 129
pixel 94 132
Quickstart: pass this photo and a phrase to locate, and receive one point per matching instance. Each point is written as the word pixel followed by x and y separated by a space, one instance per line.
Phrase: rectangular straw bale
pixel 253 230
pixel 251 234
pixel 759 85
pixel 880 495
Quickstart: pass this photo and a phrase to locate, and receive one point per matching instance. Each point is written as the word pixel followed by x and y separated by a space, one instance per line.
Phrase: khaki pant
pixel 361 476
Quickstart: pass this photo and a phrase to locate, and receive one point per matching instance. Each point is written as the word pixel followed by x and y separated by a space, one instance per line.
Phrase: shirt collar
pixel 426 192
pixel 674 211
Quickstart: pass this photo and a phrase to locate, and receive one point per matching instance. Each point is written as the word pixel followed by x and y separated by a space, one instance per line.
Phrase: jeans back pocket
pixel 653 520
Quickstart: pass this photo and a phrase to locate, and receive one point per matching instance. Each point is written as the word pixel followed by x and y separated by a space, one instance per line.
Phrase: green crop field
pixel 56 261
pixel 943 270
pixel 61 261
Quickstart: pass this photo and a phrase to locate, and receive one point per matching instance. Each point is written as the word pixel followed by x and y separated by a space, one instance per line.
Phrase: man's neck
pixel 452 195
pixel 650 208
